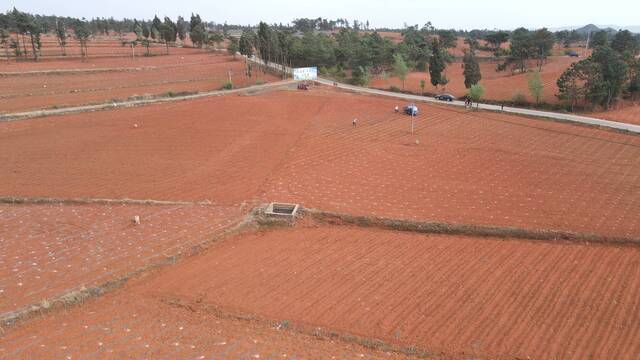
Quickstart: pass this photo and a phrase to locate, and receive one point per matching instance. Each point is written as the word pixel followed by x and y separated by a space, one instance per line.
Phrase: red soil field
pixel 48 250
pixel 499 86
pixel 454 296
pixel 188 73
pixel 627 112
pixel 470 167
pixel 97 46
pixel 100 62
pixel 220 149
pixel 122 326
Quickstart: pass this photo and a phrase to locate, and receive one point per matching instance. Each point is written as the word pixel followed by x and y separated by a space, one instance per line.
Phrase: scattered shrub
pixel 519 99
pixel 227 85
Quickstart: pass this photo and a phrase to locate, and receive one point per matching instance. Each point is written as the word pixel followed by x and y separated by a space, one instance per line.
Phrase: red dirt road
pixel 452 295
pixel 48 250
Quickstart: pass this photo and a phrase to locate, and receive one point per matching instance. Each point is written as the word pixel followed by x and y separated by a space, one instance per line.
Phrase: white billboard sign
pixel 310 73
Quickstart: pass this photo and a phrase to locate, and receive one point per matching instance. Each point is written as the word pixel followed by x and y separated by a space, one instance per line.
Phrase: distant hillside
pixel 593 28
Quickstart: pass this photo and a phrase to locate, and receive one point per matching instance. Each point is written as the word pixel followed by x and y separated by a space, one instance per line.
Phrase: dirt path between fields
pixel 125 104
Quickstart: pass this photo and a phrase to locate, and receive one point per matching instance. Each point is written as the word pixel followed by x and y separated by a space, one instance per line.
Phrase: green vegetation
pixel 610 72
pixel 528 45
pixel 227 85
pixel 536 87
pixel 471 70
pixel 438 62
pixel 476 92
pixel 400 68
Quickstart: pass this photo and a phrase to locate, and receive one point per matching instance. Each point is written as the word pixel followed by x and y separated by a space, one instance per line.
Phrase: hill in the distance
pixel 593 28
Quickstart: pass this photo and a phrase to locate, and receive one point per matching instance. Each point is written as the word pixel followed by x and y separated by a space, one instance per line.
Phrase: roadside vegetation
pixel 354 52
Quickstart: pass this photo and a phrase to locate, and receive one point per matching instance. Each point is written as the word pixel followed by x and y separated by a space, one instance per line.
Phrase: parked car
pixel 573 54
pixel 411 109
pixel 445 97
pixel 302 86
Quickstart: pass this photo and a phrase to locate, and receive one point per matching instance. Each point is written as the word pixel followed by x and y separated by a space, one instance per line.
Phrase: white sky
pixel 461 14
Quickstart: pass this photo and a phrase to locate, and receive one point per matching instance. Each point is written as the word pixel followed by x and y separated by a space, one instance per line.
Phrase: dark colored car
pixel 445 97
pixel 411 109
pixel 573 54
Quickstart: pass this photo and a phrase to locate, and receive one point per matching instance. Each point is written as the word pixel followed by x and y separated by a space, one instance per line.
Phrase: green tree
pixel 361 76
pixel 536 87
pixel 137 29
pixel 82 33
pixel 181 28
pixel 448 39
pixel 613 74
pixel 634 79
pixel 156 28
pixel 4 41
pixel 600 78
pixel 198 33
pixel 572 84
pixel 168 32
pixel 400 68
pixel 415 47
pixel 145 31
pixel 61 35
pixel 542 41
pixel 22 26
pixel 625 43
pixel 233 47
pixel 438 63
pixel 475 93
pixel 215 38
pixel 520 50
pixel 246 43
pixel 472 43
pixel 497 39
pixel 471 72
pixel 264 41
pixel 599 38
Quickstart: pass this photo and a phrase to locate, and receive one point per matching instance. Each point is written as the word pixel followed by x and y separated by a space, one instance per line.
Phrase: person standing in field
pixel 396 109
pixel 355 121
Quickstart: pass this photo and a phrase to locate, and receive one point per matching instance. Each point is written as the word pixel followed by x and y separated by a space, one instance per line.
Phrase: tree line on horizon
pixel 355 52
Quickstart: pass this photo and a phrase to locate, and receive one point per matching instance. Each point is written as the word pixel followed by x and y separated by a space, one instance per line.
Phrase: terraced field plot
pixel 449 296
pixel 456 295
pixel 452 296
pixel 48 250
pixel 192 72
pixel 469 167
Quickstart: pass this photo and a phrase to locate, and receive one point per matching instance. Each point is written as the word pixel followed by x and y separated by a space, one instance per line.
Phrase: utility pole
pixel 412 121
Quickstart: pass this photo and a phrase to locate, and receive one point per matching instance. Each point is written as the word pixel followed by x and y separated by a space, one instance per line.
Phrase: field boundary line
pixel 436 227
pixel 566 118
pixel 134 103
pixel 75 71
pixel 89 201
pixel 302 328
pixel 78 295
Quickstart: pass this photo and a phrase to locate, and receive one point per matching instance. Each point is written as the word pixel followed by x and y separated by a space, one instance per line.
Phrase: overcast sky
pixel 461 14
